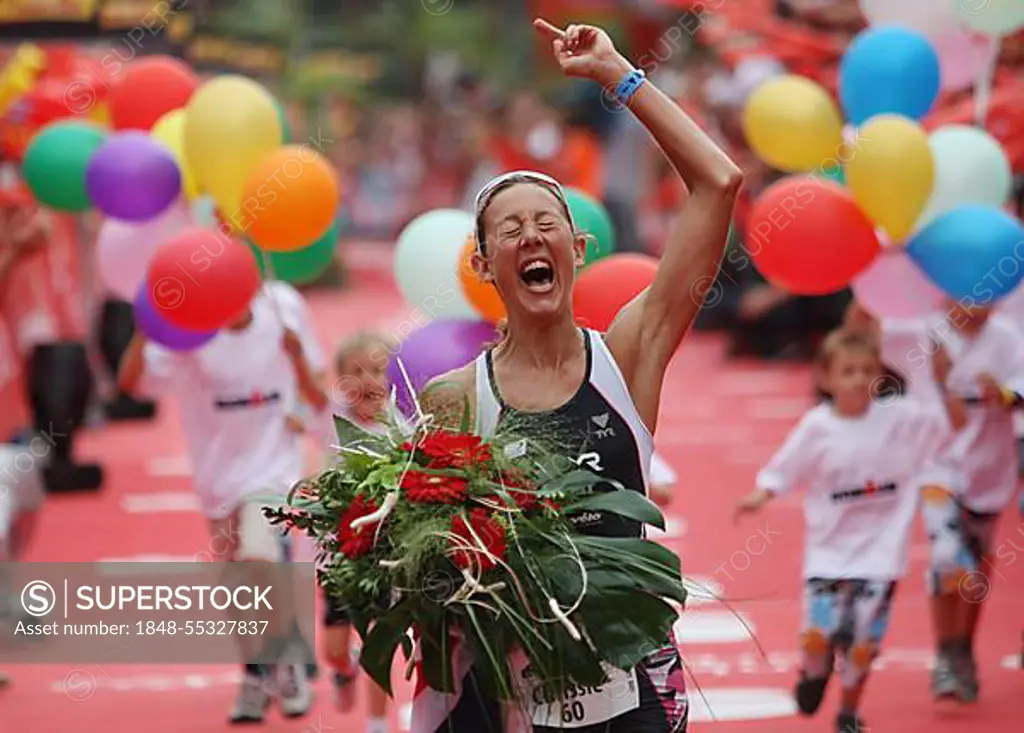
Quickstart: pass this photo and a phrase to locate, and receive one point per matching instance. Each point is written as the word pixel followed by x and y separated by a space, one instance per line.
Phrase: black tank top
pixel 598 428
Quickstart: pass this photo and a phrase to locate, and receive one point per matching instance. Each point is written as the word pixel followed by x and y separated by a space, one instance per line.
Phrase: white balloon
pixel 894 287
pixel 427 264
pixel 926 16
pixel 971 167
pixel 123 249
pixel 994 17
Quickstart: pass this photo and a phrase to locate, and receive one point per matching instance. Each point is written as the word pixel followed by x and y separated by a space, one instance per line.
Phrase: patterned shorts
pixel 848 616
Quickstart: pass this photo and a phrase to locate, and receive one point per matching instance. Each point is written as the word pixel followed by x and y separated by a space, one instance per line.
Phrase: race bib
pixel 581 706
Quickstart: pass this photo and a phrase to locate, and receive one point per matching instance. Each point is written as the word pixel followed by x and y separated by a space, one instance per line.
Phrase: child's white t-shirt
pixel 984 452
pixel 860 478
pixel 235 393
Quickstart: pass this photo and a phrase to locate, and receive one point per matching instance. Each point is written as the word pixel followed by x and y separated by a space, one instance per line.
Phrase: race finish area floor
pixel 720 421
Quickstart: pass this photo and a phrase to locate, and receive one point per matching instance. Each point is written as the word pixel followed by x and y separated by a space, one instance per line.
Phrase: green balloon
pixel 286 129
pixel 55 163
pixel 591 217
pixel 834 173
pixel 303 265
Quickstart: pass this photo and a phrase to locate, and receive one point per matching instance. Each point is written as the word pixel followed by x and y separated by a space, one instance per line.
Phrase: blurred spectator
pixel 534 136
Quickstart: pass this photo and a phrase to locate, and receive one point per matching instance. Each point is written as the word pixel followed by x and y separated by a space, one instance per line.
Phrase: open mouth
pixel 537 275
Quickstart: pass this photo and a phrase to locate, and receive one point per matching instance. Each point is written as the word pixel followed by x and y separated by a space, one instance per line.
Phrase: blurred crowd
pixel 404 158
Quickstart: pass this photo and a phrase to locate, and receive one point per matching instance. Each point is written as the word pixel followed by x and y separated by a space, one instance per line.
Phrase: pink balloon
pixel 962 57
pixel 123 250
pixel 894 287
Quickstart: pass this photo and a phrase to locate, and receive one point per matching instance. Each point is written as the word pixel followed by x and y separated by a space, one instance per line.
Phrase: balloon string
pixel 983 88
pixel 268 269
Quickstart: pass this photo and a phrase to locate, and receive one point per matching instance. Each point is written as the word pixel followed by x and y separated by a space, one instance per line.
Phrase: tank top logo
pixel 601 421
pixel 591 460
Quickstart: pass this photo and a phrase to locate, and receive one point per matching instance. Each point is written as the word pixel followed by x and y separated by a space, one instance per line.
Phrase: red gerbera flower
pixel 356 542
pixel 514 481
pixel 455 450
pixel 490 532
pixel 434 489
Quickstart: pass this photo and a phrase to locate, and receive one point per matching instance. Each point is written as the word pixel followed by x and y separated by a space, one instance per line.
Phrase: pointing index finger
pixel 552 32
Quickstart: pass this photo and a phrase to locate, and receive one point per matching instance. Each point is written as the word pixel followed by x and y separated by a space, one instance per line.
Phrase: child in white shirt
pixel 237 395
pixel 857 458
pixel 361 393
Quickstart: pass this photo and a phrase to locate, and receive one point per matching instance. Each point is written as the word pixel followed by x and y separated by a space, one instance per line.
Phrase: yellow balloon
pixel 793 124
pixel 170 130
pixel 890 172
pixel 231 125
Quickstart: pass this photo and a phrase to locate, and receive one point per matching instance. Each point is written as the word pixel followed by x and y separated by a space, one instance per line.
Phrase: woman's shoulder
pixel 446 396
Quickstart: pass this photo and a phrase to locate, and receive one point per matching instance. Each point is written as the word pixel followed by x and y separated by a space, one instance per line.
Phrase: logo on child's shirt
pixel 868 490
pixel 254 399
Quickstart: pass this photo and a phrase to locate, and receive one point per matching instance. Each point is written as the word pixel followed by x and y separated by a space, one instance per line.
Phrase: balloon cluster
pixel 434 269
pixel 202 193
pixel 903 217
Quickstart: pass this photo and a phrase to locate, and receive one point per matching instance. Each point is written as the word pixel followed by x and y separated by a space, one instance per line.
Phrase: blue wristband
pixel 630 85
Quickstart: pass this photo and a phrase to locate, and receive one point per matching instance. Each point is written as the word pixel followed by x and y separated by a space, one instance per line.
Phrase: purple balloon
pixel 438 347
pixel 156 329
pixel 133 177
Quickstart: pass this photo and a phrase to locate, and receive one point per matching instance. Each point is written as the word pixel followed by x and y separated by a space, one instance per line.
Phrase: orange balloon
pixel 481 295
pixel 289 200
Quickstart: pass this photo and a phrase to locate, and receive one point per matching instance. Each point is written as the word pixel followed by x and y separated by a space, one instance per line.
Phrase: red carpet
pixel 720 422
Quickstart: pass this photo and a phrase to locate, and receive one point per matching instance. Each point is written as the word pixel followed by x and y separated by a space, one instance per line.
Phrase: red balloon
pixel 202 280
pixel 150 88
pixel 606 286
pixel 808 236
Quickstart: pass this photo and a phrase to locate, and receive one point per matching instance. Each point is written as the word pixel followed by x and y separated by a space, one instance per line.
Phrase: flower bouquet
pixel 434 538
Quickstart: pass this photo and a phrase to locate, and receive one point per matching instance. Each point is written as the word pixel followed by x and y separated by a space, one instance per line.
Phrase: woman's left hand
pixel 583 50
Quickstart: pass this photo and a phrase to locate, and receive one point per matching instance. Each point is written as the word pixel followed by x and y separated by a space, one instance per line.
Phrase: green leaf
pixel 625 503
pixel 351 435
pixel 490 661
pixel 573 482
pixel 381 643
pixel 635 566
pixel 435 644
pixel 624 639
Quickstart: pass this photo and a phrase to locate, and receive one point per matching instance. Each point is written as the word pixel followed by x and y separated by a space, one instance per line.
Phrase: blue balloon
pixel 888 70
pixel 972 252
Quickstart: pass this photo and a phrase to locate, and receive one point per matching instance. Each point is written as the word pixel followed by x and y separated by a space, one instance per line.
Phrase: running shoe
pixel 945 684
pixel 967 678
pixel 850 723
pixel 809 693
pixel 252 702
pixel 294 695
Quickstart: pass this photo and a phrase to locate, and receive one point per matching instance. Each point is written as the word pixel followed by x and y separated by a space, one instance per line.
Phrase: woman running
pixel 598 392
